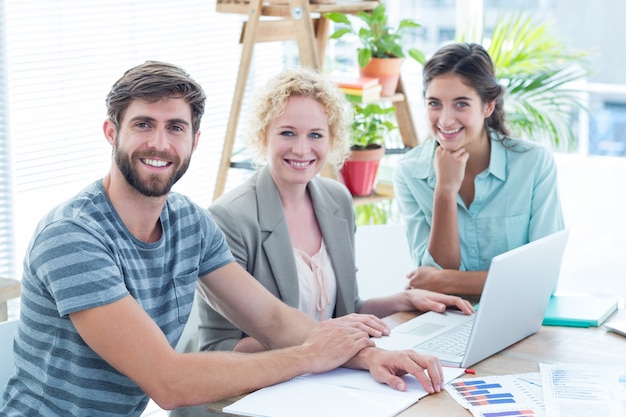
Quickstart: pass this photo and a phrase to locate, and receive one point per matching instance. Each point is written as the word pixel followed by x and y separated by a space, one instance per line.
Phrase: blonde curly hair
pixel 270 102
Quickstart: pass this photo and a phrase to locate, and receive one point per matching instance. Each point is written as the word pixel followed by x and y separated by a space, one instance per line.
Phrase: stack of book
pixel 357 89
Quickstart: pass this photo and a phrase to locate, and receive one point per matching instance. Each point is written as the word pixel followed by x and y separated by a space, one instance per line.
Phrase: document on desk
pixel 500 395
pixel 583 390
pixel 341 392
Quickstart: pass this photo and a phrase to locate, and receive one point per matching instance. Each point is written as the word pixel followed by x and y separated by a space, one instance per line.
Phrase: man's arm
pixel 125 336
pixel 240 298
pixel 287 326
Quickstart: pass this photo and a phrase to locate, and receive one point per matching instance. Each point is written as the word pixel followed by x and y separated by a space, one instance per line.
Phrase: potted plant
pixel 382 49
pixel 370 127
pixel 537 71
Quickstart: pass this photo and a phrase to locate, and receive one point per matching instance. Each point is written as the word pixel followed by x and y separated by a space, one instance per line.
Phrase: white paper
pixel 341 392
pixel 584 390
pixel 500 395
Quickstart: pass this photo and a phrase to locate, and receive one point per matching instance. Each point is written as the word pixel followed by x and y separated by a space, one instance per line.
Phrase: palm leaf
pixel 536 70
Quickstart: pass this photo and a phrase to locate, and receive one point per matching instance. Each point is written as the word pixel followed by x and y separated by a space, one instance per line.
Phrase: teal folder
pixel 579 311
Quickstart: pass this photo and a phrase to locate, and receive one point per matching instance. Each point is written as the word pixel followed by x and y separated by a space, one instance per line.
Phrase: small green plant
pixel 381 212
pixel 371 125
pixel 378 39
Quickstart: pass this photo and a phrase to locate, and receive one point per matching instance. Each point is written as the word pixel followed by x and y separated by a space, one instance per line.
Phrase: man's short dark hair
pixel 153 81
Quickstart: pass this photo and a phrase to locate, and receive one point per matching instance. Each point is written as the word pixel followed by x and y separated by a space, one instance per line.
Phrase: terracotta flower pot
pixel 359 170
pixel 387 70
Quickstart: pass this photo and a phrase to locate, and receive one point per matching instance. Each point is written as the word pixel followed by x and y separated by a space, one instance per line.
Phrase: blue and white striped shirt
pixel 82 256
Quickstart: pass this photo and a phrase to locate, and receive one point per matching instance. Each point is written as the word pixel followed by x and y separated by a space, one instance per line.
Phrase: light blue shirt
pixel 516 201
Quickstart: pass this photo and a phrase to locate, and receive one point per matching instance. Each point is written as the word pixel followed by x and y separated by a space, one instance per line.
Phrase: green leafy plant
pixel 537 71
pixel 381 212
pixel 370 125
pixel 378 39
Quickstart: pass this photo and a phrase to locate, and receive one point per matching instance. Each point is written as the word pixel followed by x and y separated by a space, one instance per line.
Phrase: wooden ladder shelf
pixel 297 20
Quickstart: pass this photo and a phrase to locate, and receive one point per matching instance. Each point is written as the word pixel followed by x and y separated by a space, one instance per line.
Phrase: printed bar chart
pixel 481 393
pixel 500 396
pixel 514 413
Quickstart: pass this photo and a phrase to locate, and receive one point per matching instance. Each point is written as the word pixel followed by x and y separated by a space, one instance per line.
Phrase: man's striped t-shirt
pixel 82 256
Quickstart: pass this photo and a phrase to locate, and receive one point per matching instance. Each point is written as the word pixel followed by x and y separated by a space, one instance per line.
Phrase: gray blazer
pixel 252 218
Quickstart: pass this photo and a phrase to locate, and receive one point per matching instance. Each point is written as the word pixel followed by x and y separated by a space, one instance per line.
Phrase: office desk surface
pixel 592 346
pixel 551 344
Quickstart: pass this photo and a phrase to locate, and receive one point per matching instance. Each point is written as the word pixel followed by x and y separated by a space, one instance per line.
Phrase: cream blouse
pixel 317 283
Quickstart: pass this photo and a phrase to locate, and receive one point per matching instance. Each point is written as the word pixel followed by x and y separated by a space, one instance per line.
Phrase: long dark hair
pixel 471 62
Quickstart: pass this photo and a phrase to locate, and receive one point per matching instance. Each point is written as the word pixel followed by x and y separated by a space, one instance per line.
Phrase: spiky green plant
pixel 538 71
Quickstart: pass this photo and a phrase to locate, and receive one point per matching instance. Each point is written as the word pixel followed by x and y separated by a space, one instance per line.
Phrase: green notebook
pixel 579 311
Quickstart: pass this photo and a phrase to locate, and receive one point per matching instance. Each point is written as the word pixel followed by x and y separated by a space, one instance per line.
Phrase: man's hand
pixel 388 366
pixel 369 323
pixel 332 343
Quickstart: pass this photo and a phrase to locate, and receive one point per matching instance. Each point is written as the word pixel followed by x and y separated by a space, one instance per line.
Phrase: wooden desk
pixel 549 345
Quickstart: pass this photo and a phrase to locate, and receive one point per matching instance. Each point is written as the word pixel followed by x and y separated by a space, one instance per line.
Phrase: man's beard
pixel 154 185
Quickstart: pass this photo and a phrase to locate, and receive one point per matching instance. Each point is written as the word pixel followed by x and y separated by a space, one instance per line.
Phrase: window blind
pixel 63 57
pixel 7 261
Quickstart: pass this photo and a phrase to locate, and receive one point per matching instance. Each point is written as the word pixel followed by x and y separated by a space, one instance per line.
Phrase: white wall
pixel 593 199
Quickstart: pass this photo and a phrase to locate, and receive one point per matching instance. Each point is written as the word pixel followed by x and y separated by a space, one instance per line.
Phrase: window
pixel 62 58
pixel 59 58
pixel 7 265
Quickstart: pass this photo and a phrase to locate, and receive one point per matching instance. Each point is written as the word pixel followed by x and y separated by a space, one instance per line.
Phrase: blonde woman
pixel 292 229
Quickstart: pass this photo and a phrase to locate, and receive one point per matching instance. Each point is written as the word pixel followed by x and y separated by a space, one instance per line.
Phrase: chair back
pixel 7 334
pixel 383 259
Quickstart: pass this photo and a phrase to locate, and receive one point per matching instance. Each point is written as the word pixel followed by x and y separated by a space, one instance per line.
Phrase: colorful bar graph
pixel 515 413
pixel 504 398
pixel 489 396
pixel 500 395
pixel 493 402
pixel 480 393
pixel 477 386
pixel 471 383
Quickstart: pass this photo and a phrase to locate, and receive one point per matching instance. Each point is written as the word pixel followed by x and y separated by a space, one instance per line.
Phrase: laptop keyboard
pixel 454 342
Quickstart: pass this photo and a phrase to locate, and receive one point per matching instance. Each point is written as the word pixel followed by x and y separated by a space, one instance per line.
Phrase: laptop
pixel 512 306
